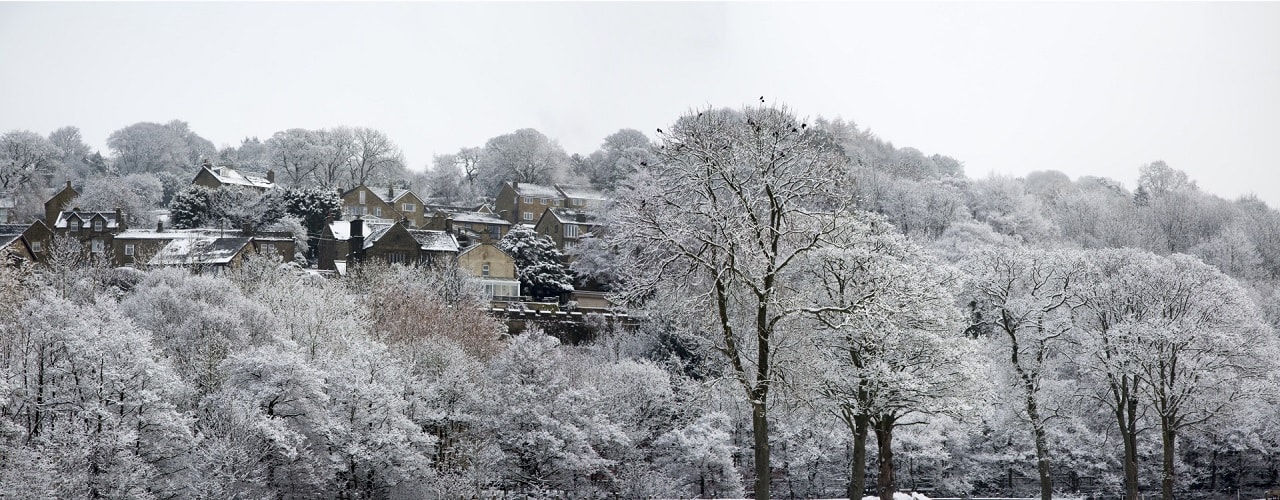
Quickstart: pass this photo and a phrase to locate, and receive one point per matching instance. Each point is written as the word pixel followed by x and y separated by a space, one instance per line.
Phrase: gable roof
pixel 478 245
pixel 228 175
pixel 86 219
pixel 479 217
pixel 435 241
pixel 580 192
pixel 202 249
pixel 534 190
pixel 571 216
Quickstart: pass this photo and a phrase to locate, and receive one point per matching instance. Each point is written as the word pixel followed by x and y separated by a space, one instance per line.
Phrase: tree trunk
pixel 858 468
pixel 760 432
pixel 1127 417
pixel 884 443
pixel 1169 436
pixel 1042 449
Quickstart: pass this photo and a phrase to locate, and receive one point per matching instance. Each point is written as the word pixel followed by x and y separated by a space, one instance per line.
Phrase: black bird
pixel 803 125
pixel 761 99
pixel 659 131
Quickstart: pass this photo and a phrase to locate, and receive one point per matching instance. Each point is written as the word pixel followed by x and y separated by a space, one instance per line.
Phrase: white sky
pixel 1085 88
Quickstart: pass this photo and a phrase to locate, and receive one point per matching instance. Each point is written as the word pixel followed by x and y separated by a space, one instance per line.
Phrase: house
pixel 566 226
pixel 95 230
pixel 581 197
pixel 133 247
pixel 385 203
pixel 16 247
pixel 469 226
pixel 495 269
pixel 215 177
pixel 203 251
pixel 524 203
pixel 56 203
pixel 393 243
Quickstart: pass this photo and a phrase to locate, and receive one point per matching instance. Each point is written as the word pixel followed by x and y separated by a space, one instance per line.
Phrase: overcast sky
pixel 1085 88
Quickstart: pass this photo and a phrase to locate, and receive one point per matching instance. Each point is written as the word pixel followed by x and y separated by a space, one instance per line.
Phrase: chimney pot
pixel 160 226
pixel 271 176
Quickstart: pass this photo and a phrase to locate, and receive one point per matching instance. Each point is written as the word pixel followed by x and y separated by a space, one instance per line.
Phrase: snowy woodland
pixel 819 314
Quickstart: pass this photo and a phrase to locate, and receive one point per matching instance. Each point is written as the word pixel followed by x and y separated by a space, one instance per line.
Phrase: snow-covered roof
pixel 571 216
pixel 535 190
pixel 228 175
pixel 435 241
pixel 375 231
pixel 581 192
pixel 205 250
pixel 341 229
pixel 86 219
pixel 479 217
pixel 13 229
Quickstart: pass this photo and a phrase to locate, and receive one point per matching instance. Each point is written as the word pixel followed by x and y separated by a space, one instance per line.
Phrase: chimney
pixel 120 224
pixel 160 226
pixel 355 244
pixel 271 176
pixel 246 227
pixel 328 219
pixel 515 184
pixel 582 217
pixel 391 192
pixel 68 184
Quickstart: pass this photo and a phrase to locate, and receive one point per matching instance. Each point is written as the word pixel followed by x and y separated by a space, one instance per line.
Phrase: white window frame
pixel 408 208
pixel 570 230
pixel 269 247
pixel 97 245
pixel 37 246
pixel 75 228
pixel 528 200
pixel 128 249
pixel 362 197
pixel 484 269
pixel 97 225
pixel 527 216
pixel 377 211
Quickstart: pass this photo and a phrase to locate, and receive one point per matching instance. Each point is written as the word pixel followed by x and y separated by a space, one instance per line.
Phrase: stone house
pixel 385 203
pixel 495 269
pixel 524 203
pixel 25 242
pixel 581 197
pixel 388 242
pixel 59 201
pixel 566 226
pixel 94 230
pixel 196 247
pixel 468 226
pixel 215 177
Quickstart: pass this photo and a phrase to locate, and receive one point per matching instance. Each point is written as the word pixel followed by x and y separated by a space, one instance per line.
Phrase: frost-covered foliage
pixel 539 263
pixel 228 206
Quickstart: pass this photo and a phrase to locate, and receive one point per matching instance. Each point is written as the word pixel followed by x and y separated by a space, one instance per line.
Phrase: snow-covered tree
pixel 539 263
pixel 735 199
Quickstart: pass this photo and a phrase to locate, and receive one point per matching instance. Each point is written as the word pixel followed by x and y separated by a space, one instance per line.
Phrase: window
pixel 408 208
pixel 577 203
pixel 527 216
pixel 37 246
pixel 269 248
pixel 362 197
pixel 73 225
pixel 97 225
pixel 128 249
pixel 377 211
pixel 570 230
pixel 395 258
pixel 495 232
pixel 97 246
pixel 484 270
pixel 528 199
pixel 542 201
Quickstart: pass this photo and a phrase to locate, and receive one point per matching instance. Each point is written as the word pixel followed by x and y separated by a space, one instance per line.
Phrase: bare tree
pixel 374 156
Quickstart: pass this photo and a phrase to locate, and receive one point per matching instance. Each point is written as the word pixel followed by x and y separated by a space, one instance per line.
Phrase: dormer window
pixel 97 225
pixel 73 225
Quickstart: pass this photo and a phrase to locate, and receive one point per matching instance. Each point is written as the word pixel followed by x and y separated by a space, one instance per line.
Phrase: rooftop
pixel 228 175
